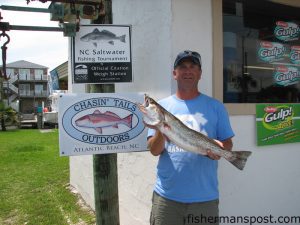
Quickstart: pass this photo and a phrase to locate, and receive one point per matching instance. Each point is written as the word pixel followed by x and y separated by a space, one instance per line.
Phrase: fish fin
pixel 239 158
pixel 95 44
pixel 97 111
pixel 111 42
pixel 122 38
pixel 128 120
pixel 109 113
pixel 106 32
pixel 96 31
pixel 99 130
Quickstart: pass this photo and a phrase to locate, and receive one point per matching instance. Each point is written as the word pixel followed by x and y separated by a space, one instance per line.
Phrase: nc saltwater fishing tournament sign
pixel 102 54
pixel 100 123
pixel 277 123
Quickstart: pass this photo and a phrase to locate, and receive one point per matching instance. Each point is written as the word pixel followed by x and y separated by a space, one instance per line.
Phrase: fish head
pixel 83 121
pixel 85 37
pixel 152 112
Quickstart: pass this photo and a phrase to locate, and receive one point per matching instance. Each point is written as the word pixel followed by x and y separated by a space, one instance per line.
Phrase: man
pixel 186 189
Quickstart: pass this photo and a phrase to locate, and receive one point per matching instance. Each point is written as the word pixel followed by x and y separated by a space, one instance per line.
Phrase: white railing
pixel 13 78
pixel 24 77
pixel 26 93
pixel 32 77
pixel 40 93
pixel 13 88
pixel 5 84
pixel 9 85
pixel 33 94
pixel 12 97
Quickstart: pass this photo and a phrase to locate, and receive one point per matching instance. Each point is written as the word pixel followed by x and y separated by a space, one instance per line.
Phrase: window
pixel 24 90
pixel 38 74
pixel 24 74
pixel 38 90
pixel 10 72
pixel 261 51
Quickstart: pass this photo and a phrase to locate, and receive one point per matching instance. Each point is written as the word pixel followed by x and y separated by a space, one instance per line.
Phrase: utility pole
pixel 105 165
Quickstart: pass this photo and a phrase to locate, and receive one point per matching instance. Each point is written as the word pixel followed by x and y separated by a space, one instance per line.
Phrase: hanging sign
pixel 100 123
pixel 102 54
pixel 277 123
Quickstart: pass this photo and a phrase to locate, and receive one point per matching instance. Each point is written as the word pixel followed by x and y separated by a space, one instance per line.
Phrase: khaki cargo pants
pixel 168 212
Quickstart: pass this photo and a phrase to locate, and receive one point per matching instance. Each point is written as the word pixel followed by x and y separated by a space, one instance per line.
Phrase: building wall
pixel 151 44
pixel 267 186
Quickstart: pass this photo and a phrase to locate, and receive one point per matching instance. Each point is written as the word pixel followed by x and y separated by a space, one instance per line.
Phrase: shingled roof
pixel 25 65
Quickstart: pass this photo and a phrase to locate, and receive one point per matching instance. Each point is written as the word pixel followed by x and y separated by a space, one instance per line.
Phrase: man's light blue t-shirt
pixel 185 176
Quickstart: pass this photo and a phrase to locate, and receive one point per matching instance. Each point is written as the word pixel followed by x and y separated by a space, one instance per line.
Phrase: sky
pixel 49 49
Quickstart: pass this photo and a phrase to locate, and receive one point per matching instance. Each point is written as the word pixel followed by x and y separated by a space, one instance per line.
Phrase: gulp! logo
pixel 103 121
pixel 271 51
pixel 286 75
pixel 295 54
pixel 278 117
pixel 286 31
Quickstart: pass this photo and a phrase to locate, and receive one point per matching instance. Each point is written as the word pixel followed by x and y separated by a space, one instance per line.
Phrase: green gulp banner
pixel 277 123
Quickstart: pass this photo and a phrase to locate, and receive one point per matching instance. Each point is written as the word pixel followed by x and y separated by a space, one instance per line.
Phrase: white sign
pixel 100 123
pixel 102 54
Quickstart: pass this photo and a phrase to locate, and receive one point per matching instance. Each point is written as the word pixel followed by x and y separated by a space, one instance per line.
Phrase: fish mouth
pixel 149 101
pixel 146 101
pixel 142 107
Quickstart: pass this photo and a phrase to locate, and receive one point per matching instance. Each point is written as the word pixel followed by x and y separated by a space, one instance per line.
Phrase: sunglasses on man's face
pixel 195 54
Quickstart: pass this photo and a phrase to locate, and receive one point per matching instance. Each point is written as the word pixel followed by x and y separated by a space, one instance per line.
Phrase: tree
pixel 7 115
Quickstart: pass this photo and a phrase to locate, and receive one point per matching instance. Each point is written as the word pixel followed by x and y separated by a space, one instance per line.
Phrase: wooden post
pixel 105 165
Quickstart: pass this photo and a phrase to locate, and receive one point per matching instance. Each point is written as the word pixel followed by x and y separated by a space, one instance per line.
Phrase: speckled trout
pixel 184 137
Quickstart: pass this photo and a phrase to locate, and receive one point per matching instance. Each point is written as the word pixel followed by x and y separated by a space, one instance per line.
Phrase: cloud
pixel 49 49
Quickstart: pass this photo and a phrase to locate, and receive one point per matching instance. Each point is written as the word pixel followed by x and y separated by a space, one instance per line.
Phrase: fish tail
pixel 239 158
pixel 128 121
pixel 122 38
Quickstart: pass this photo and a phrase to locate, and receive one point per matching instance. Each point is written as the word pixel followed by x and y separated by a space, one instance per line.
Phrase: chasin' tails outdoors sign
pixel 100 123
pixel 102 54
pixel 277 123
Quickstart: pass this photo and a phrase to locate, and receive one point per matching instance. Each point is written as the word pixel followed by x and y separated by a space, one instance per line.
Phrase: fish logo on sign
pixel 103 121
pixel 102 36
pixel 98 121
